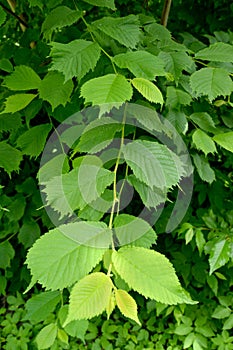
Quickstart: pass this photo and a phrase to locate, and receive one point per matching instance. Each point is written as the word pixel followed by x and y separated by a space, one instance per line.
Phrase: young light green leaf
pixel 219 254
pixel 60 17
pixel 76 58
pixel 133 231
pixel 225 140
pixel 108 89
pixel 10 157
pixel 203 142
pixel 58 269
pixel 54 90
pixel 111 305
pixel 46 337
pixel 41 305
pixel 204 170
pixel 125 30
pixel 153 164
pixel 211 82
pixel 98 135
pixel 102 3
pixel 89 297
pixel 141 63
pixel 33 140
pixel 151 197
pixel 127 305
pixel 148 90
pixel 23 78
pixel 15 103
pixel 177 97
pixel 220 52
pixel 150 274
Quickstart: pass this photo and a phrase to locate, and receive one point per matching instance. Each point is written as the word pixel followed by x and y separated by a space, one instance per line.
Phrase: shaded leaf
pixel 41 305
pixel 6 254
pixel 203 142
pixel 204 170
pixel 54 90
pixel 102 3
pixel 10 157
pixel 225 140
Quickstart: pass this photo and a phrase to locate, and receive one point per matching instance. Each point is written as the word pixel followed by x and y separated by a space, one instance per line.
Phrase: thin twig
pixel 166 11
pixel 14 15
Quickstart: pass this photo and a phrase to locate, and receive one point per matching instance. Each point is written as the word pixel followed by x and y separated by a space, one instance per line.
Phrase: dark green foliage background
pixel 207 325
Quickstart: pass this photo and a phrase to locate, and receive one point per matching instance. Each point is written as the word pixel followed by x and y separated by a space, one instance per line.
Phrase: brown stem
pixel 166 11
pixel 11 11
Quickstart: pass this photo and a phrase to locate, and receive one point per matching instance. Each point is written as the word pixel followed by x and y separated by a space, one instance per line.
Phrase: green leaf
pixel 54 90
pixel 23 78
pixel 219 254
pixel 6 65
pixel 228 324
pixel 151 197
pixel 204 121
pixel 148 90
pixel 158 32
pixel 225 140
pixel 6 254
pixel 52 168
pixel 153 164
pixel 178 119
pixel 58 18
pixel 218 52
pixel 33 140
pixel 76 58
pixel 211 82
pixel 177 97
pixel 88 233
pixel 176 62
pixel 98 135
pixel 111 305
pixel 203 142
pixel 15 103
pixel 46 337
pixel 183 329
pixel 127 305
pixel 54 258
pixel 125 30
pixel 145 116
pixel 10 157
pixel 141 63
pixel 204 170
pixel 102 3
pixel 89 297
pixel 79 187
pixel 2 16
pixel 110 88
pixel 150 274
pixel 28 233
pixel 200 240
pixel 133 231
pixel 9 122
pixel 41 305
pixel 221 312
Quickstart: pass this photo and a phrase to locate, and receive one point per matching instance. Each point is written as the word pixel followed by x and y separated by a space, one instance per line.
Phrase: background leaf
pixel 220 52
pixel 15 103
pixel 46 337
pixel 203 142
pixel 10 157
pixel 59 17
pixel 225 140
pixel 105 3
pixel 33 140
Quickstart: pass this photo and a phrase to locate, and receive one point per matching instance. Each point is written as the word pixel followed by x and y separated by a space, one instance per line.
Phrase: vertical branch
pixel 166 11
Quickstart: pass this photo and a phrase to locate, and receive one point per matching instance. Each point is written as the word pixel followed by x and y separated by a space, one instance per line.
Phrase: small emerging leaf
pixel 148 89
pixel 127 305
